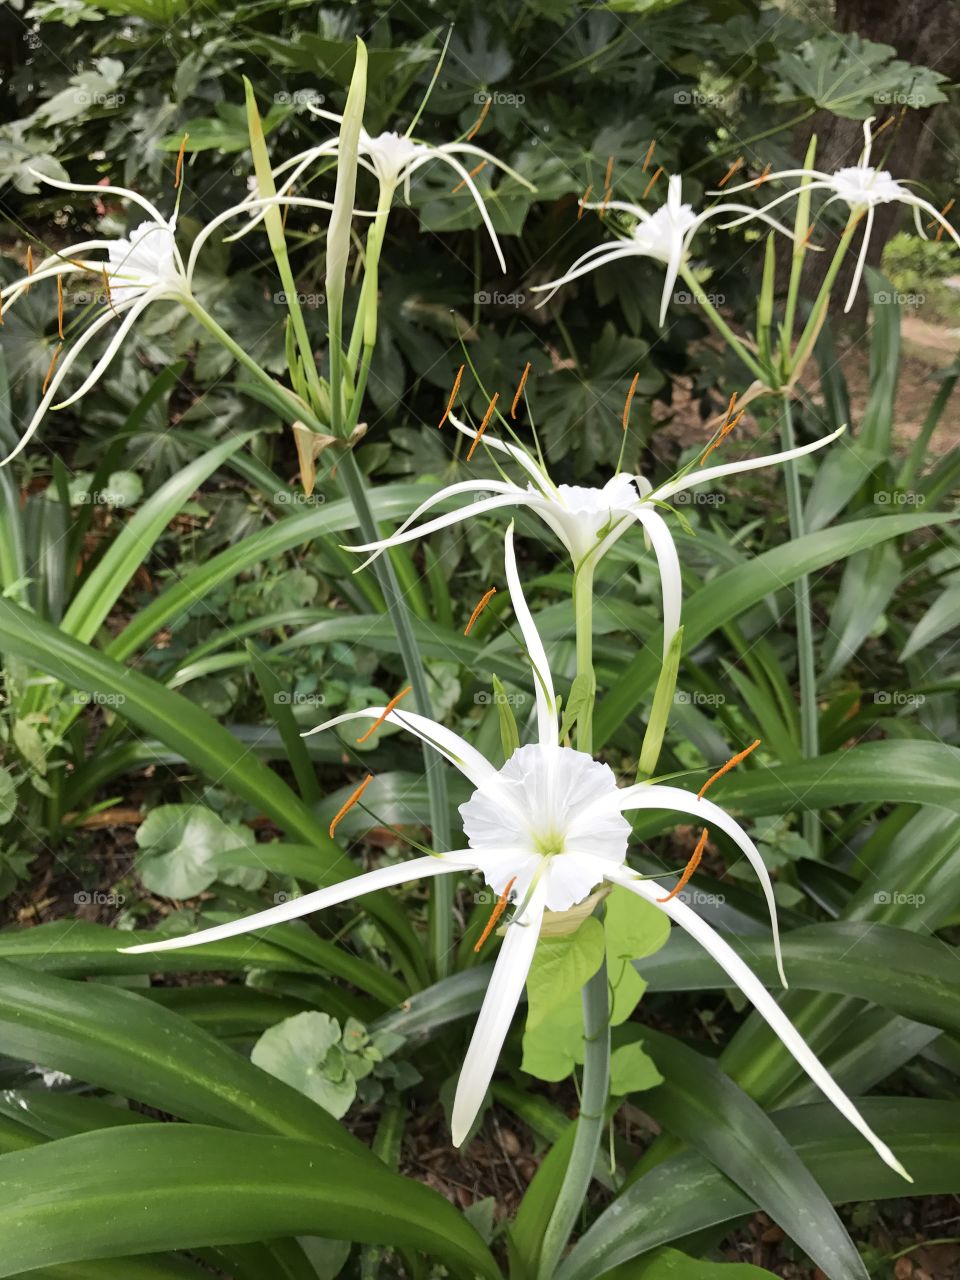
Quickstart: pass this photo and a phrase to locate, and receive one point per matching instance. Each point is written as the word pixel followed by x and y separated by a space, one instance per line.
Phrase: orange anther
pixel 764 176
pixel 649 156
pixel 178 173
pixel 497 912
pixel 725 430
pixel 484 601
pixel 649 187
pixel 483 115
pixel 603 205
pixel 483 425
pixel 730 172
pixel 608 176
pixel 348 805
pixel 453 396
pixel 386 711
pixel 516 398
pixel 60 307
pixel 629 401
pixel 689 869
pixel 53 365
pixel 731 763
pixel 29 264
pixel 583 200
pixel 472 174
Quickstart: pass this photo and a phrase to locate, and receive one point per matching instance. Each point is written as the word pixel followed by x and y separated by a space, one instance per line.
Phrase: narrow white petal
pixel 668 563
pixel 471 186
pixel 523 459
pixel 548 727
pixel 861 260
pixel 468 149
pixel 749 213
pixel 624 249
pixel 294 908
pixel 918 203
pixel 706 474
pixel 139 305
pixel 124 192
pixel 59 374
pixel 475 767
pixel 670 278
pixel 654 796
pixel 499 1006
pixel 772 177
pixel 444 522
pixel 451 491
pixel 765 1005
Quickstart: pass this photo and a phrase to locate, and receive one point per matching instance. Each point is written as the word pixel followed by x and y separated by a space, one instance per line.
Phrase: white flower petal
pixel 706 474
pixel 499 1005
pixel 508 499
pixel 137 307
pixel 647 795
pixel 765 1005
pixel 622 249
pixel 124 192
pixel 861 260
pixel 294 908
pixel 547 724
pixel 459 752
pixel 469 149
pixel 451 491
pixel 464 175
pixel 668 564
pixel 523 459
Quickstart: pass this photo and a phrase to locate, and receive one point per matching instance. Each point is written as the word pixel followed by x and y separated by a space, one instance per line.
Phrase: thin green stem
pixel 721 326
pixel 596 1008
pixel 741 144
pixel 806 657
pixel 441 903
pixel 812 327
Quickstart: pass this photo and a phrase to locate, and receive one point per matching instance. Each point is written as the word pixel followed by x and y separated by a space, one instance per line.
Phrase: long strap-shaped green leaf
pixel 687 1193
pixel 739 589
pixel 154 1187
pixel 700 1104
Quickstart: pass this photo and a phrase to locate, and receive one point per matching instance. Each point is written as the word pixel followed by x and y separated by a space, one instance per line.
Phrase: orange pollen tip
pixel 886 125
pixel 629 401
pixel 472 174
pixel 483 115
pixel 603 207
pixel 609 173
pixel 690 868
pixel 523 383
pixel 483 425
pixel 649 156
pixel 60 307
pixel 453 396
pixel 725 430
pixel 725 768
pixel 1 308
pixel 583 200
pixel 348 804
pixel 53 365
pixel 649 187
pixel 497 912
pixel 178 173
pixel 29 259
pixel 731 171
pixel 764 176
pixel 386 711
pixel 485 600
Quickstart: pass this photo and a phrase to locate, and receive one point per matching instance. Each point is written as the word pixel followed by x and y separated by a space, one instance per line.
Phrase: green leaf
pixel 686 1193
pixel 295 1051
pixel 632 1070
pixel 701 1105
pixel 509 733
pixel 670 1264
pixel 630 934
pixel 582 693
pixel 732 593
pixel 553 1035
pixel 166 1186
pixel 8 796
pixel 849 76
pixel 179 847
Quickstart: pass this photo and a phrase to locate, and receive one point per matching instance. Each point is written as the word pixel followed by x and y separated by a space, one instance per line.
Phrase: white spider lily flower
pixel 547 827
pixel 663 235
pixel 587 520
pixel 393 158
pixel 141 268
pixel 862 188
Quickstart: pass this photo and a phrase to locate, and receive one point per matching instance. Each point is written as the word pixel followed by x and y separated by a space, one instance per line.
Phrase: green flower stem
pixel 806 657
pixel 596 1008
pixel 812 327
pixel 721 326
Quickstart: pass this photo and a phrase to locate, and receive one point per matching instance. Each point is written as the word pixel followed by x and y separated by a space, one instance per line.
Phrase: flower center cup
pixel 860 186
pixel 550 815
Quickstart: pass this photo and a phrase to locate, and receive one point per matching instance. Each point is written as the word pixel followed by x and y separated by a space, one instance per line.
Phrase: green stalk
pixel 596 1009
pixel 721 326
pixel 812 327
pixel 441 900
pixel 806 659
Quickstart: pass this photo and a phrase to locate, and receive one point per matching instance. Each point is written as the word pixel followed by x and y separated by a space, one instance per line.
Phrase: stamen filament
pixel 348 804
pixel 516 398
pixel 106 290
pixel 731 763
pixel 60 307
pixel 689 869
pixel 386 711
pixel 453 396
pixel 485 600
pixel 483 425
pixel 497 912
pixel 178 173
